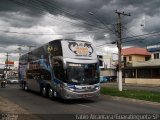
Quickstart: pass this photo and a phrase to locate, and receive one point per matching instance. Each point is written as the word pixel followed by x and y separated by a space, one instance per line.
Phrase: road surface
pixel 48 109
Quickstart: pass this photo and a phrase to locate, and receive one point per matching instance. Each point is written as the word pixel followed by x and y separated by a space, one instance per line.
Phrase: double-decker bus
pixel 61 68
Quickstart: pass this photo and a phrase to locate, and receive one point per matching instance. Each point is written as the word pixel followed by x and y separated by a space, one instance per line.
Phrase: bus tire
pixel 43 91
pixel 55 94
pixel 25 87
pixel 50 93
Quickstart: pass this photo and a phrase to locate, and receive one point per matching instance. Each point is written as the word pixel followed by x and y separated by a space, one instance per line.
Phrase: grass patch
pixel 136 94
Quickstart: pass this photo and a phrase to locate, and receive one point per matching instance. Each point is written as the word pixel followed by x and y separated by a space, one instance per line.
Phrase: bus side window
pixel 58 69
pixel 45 75
pixel 30 76
pixel 42 77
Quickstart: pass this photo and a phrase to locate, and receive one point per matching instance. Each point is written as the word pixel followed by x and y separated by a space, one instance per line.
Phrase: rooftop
pixel 135 51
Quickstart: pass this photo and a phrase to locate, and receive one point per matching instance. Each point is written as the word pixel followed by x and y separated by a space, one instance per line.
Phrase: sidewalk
pixel 12 111
pixel 145 87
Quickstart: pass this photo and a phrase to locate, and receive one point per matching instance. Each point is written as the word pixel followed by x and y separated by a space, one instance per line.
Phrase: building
pixel 155 50
pixel 141 66
pixel 133 54
pixel 10 70
pixel 108 64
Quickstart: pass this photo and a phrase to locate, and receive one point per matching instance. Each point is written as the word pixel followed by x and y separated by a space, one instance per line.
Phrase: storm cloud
pixel 35 22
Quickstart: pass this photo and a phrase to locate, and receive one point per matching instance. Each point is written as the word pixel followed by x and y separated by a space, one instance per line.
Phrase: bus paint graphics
pixel 61 68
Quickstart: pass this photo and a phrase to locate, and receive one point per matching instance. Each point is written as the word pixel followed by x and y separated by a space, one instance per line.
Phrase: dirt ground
pixel 12 111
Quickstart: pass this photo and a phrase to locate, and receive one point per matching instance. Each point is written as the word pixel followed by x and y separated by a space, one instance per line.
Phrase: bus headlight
pixel 71 89
pixel 97 87
pixel 67 87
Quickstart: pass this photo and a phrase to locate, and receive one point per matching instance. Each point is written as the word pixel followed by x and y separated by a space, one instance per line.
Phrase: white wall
pixel 143 81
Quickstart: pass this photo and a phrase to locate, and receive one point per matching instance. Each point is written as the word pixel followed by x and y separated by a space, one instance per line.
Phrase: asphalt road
pixel 48 109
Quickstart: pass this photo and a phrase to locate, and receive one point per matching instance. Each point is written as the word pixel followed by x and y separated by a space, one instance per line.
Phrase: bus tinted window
pixel 82 73
pixel 58 69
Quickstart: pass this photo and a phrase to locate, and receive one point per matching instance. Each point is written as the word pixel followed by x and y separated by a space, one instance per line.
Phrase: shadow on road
pixel 64 101
pixel 75 101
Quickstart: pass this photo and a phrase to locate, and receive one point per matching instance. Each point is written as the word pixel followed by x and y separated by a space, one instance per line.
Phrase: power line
pixel 51 5
pixel 129 31
pixel 156 43
pixel 104 44
pixel 102 22
pixel 150 35
pixel 13 32
pixel 140 35
pixel 42 12
pixel 64 11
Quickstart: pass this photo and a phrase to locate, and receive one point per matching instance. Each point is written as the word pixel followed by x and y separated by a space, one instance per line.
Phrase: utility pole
pixel 30 46
pixel 20 51
pixel 119 46
pixel 7 64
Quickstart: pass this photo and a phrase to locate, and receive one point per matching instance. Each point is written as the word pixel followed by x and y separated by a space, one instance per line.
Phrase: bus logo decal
pixel 81 49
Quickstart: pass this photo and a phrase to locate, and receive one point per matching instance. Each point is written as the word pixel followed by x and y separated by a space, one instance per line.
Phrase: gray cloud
pixel 55 16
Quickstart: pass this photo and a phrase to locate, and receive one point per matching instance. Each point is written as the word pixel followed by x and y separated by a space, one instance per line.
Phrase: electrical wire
pixel 152 34
pixel 148 35
pixel 6 31
pixel 51 5
pixel 141 35
pixel 42 12
pixel 133 34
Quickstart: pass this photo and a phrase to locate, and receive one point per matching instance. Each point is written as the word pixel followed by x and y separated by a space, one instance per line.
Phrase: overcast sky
pixel 35 22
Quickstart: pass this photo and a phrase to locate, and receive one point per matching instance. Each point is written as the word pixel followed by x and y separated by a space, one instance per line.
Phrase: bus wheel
pixel 44 92
pixel 25 87
pixel 55 94
pixel 50 93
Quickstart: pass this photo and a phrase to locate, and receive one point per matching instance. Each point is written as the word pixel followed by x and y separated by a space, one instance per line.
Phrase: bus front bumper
pixel 68 94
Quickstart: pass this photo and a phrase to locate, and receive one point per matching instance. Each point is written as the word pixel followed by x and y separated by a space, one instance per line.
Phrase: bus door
pixel 29 79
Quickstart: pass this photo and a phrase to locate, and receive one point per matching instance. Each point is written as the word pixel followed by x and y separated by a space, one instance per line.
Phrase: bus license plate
pixel 86 95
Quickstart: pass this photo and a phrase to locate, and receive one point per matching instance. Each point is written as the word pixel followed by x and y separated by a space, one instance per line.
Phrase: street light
pixel 91 13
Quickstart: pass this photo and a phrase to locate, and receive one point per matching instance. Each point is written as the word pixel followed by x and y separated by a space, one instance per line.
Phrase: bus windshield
pixel 82 73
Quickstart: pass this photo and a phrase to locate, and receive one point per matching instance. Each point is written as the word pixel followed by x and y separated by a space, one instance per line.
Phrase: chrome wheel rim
pixel 55 94
pixel 50 93
pixel 44 91
pixel 25 87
